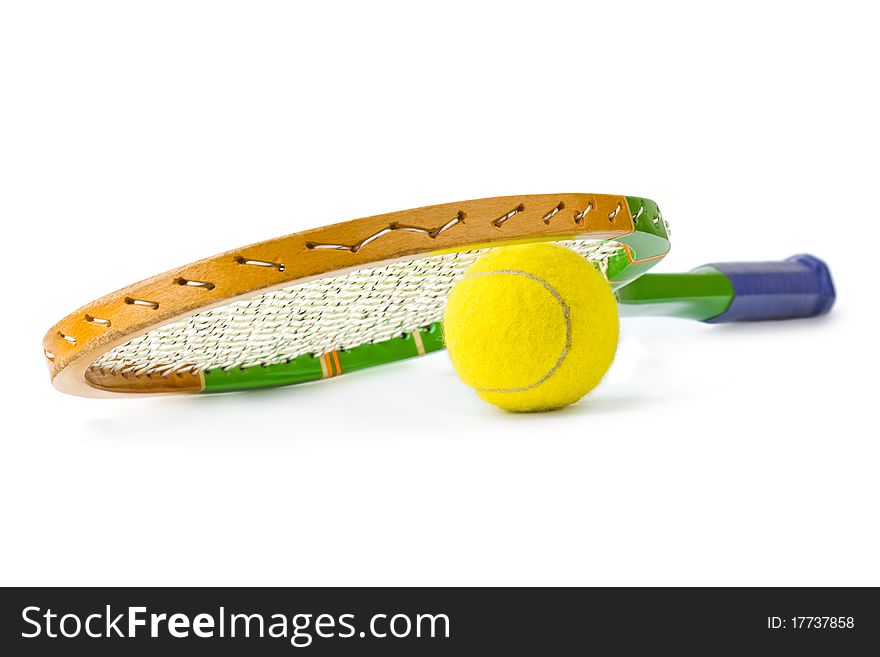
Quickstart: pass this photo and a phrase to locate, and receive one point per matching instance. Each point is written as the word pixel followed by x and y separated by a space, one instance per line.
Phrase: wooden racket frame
pixel 74 343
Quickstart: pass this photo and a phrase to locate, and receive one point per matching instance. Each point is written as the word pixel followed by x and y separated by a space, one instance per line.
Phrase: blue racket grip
pixel 799 286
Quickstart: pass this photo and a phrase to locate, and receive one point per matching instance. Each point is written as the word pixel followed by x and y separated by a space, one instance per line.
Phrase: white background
pixel 135 137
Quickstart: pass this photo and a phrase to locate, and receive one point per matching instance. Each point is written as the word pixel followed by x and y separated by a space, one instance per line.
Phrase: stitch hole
pixel 67 338
pixel 152 305
pixel 262 263
pixel 200 284
pixel 613 214
pixel 390 228
pixel 547 217
pixel 458 219
pixel 500 220
pixel 49 355
pixel 579 217
pixel 97 320
pixel 640 213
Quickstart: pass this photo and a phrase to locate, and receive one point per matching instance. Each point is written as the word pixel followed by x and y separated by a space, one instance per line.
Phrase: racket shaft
pixel 799 286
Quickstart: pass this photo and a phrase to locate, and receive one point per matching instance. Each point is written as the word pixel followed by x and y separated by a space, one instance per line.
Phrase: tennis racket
pixel 319 303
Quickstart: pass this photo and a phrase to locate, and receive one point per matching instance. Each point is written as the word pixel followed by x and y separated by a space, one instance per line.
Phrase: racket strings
pixel 339 312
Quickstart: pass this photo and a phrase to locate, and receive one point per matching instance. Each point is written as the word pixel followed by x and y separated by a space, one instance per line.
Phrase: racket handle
pixel 799 286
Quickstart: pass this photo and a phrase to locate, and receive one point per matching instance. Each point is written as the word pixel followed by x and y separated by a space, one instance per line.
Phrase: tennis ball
pixel 531 327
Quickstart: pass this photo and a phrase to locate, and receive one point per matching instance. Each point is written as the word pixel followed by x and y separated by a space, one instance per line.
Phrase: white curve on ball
pixel 566 316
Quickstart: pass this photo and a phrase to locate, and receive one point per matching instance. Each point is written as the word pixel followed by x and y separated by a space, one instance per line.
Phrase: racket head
pixel 314 304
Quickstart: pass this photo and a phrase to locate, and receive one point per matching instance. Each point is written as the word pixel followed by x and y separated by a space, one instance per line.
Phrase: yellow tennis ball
pixel 531 327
